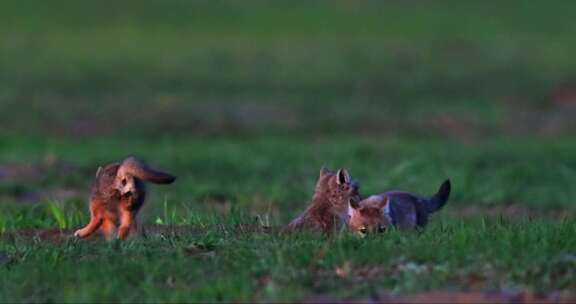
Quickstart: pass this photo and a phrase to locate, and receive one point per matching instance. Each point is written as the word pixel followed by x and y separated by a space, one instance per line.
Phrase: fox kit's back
pixel 102 188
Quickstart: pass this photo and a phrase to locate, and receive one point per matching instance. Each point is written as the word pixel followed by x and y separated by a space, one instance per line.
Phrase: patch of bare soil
pixel 53 235
pixel 56 235
pixel 31 197
pixel 550 122
pixel 21 180
pixel 554 118
pixel 454 297
pixel 462 128
pixel 35 171
pixel 173 115
pixel 475 285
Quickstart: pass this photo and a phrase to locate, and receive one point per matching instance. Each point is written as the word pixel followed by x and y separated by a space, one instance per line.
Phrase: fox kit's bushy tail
pixel 137 168
pixel 439 199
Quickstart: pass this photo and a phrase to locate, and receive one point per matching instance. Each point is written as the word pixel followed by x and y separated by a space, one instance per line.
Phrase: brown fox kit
pixel 117 195
pixel 328 209
pixel 403 210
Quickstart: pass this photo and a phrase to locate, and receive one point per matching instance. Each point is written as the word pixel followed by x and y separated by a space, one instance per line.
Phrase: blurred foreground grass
pixel 244 101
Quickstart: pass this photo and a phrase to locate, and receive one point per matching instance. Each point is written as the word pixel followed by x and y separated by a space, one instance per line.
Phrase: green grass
pixel 259 267
pixel 271 180
pixel 244 102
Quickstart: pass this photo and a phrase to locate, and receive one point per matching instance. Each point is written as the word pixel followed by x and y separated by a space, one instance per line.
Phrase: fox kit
pixel 400 209
pixel 117 194
pixel 329 207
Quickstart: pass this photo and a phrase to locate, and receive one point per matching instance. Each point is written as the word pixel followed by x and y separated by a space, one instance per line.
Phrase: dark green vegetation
pixel 228 68
pixel 228 265
pixel 244 101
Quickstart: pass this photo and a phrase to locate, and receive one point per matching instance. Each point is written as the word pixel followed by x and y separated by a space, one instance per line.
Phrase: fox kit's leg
pixel 95 222
pixel 127 223
pixel 108 227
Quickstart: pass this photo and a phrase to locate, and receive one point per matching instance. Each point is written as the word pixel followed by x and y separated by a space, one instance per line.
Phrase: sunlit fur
pixel 328 209
pixel 117 195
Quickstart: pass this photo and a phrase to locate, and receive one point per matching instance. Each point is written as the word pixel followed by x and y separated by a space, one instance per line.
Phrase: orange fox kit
pixel 117 195
pixel 399 209
pixel 328 209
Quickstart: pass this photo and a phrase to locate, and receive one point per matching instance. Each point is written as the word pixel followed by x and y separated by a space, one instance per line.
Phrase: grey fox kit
pixel 328 209
pixel 403 210
pixel 117 195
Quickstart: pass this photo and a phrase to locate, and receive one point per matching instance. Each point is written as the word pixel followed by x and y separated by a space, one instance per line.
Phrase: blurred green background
pixel 452 70
pixel 244 101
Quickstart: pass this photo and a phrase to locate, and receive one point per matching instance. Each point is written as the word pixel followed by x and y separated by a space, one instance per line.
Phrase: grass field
pixel 245 102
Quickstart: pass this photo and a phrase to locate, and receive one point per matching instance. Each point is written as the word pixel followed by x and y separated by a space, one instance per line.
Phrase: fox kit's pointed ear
pixel 343 176
pixel 98 171
pixel 382 203
pixel 324 171
pixel 354 204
